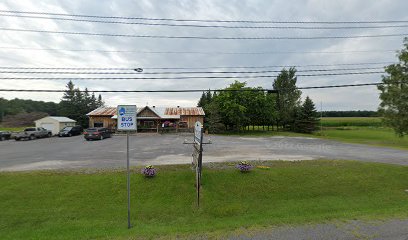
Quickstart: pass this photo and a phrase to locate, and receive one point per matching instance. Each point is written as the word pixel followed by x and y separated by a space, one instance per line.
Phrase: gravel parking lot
pixel 75 152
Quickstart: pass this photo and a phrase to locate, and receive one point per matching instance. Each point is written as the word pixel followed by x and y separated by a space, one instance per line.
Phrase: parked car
pixel 97 133
pixel 70 131
pixel 4 135
pixel 33 133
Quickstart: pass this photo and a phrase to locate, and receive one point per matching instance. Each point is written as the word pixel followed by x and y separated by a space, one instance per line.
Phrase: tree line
pixel 15 106
pixel 238 110
pixel 74 104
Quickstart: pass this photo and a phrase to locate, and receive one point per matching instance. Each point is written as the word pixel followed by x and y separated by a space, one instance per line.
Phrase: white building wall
pixel 53 125
pixel 48 123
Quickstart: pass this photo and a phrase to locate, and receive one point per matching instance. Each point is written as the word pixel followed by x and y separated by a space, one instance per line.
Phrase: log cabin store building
pixel 151 119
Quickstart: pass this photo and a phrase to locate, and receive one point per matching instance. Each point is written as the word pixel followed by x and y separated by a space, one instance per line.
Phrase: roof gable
pixel 147 112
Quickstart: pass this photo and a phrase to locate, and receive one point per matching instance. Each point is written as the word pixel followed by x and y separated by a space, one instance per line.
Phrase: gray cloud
pixel 313 10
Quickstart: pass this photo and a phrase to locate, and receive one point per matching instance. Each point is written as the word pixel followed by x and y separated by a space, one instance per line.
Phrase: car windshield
pixel 29 129
pixel 66 128
pixel 91 130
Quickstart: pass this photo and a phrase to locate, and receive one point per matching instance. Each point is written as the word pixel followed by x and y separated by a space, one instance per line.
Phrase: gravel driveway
pixel 75 152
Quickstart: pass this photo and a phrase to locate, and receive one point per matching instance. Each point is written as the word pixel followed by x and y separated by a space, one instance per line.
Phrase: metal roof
pixel 162 112
pixel 188 111
pixel 59 119
pixel 103 111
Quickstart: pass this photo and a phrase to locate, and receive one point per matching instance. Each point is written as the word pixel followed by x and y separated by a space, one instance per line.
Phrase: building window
pixel 148 123
pixel 183 124
pixel 98 124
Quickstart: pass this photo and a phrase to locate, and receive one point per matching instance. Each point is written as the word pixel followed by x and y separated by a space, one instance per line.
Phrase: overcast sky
pixel 108 54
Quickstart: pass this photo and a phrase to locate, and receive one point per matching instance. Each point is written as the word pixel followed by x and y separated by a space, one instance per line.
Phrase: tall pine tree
pixel 75 104
pixel 307 118
pixel 288 99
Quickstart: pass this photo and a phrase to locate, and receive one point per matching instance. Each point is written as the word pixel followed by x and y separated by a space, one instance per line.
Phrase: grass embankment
pixel 363 130
pixel 72 205
pixel 12 129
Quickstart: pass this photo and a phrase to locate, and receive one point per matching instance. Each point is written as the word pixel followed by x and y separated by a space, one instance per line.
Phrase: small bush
pixel 244 166
pixel 149 171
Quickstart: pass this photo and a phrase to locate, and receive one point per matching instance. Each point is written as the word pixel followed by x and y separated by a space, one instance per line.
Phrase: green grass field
pixel 86 205
pixel 352 121
pixel 363 130
pixel 366 135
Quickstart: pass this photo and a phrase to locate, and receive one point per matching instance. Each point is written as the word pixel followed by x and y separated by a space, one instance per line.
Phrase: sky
pixel 40 49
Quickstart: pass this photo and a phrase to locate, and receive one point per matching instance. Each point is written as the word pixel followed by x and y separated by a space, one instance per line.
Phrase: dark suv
pixel 4 135
pixel 96 133
pixel 70 131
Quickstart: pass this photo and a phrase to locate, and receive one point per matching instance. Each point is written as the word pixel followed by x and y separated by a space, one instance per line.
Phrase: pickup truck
pixel 33 133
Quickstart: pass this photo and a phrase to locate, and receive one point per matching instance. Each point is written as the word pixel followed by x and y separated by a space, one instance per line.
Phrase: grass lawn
pixel 78 205
pixel 12 129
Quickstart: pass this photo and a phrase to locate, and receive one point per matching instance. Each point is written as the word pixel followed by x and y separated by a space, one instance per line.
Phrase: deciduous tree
pixel 394 94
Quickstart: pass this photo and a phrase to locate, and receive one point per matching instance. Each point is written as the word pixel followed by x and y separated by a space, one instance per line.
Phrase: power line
pixel 184 77
pixel 203 37
pixel 341 86
pixel 272 66
pixel 195 90
pixel 139 91
pixel 203 20
pixel 207 26
pixel 200 52
pixel 191 68
pixel 189 72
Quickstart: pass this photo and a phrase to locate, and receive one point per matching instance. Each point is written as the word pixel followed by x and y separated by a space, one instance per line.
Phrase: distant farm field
pixel 366 135
pixel 364 130
pixel 351 121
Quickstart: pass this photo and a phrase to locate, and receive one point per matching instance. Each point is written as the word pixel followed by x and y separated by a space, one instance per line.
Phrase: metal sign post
pixel 127 122
pixel 198 155
pixel 198 148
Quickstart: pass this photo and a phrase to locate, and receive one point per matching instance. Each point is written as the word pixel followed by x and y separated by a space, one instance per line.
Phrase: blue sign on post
pixel 127 122
pixel 127 117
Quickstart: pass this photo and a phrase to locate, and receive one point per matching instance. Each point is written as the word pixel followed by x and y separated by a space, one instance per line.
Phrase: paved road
pixel 75 152
pixel 386 230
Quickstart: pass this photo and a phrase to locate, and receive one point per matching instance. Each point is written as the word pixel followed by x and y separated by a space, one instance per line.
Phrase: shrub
pixel 149 171
pixel 244 166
